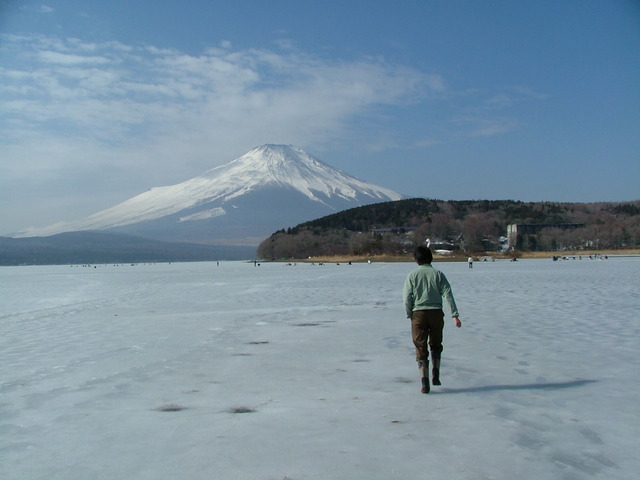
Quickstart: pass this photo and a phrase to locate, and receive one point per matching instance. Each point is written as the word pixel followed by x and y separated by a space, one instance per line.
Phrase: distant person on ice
pixel 423 290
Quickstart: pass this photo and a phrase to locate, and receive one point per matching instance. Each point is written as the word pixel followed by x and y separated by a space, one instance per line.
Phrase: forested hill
pixel 473 225
pixel 418 210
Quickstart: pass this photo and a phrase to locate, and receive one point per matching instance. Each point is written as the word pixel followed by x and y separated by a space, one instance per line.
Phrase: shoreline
pixel 461 257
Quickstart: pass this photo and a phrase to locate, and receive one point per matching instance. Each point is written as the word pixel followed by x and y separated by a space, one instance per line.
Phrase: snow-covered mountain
pixel 241 202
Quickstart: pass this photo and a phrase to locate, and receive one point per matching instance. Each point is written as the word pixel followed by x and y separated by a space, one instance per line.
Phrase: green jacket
pixel 424 288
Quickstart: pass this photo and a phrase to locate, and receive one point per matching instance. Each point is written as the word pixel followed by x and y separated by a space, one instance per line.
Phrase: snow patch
pixel 212 213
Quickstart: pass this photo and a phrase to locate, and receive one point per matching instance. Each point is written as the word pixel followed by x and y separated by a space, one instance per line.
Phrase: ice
pixel 236 371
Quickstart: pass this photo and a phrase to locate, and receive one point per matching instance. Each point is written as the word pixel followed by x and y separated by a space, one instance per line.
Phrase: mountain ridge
pixel 106 248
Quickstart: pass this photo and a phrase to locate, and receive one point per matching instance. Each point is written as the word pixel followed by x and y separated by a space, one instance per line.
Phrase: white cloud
pixel 67 59
pixel 479 125
pixel 153 98
pixel 45 9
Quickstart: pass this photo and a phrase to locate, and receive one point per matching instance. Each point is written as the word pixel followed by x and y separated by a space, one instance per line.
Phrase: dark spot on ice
pixel 241 410
pixel 258 343
pixel 307 324
pixel 592 436
pixel 403 380
pixel 171 407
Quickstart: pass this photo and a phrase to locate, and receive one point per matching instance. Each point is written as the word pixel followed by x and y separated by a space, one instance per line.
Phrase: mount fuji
pixel 238 203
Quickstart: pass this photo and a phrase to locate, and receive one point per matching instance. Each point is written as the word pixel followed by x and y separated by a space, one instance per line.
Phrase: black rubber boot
pixel 424 370
pixel 436 369
pixel 425 385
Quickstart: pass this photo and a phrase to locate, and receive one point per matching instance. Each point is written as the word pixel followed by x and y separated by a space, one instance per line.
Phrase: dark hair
pixel 423 255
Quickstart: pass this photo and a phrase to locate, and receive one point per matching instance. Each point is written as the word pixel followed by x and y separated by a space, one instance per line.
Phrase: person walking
pixel 423 291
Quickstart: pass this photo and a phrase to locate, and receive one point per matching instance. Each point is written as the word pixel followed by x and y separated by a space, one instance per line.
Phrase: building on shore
pixel 518 234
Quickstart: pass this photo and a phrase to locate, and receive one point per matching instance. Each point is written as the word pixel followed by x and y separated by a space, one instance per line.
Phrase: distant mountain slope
pixel 99 247
pixel 237 203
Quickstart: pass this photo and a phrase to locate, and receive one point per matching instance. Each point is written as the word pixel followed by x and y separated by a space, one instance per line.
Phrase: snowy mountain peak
pixel 276 155
pixel 263 181
pixel 291 167
pixel 269 162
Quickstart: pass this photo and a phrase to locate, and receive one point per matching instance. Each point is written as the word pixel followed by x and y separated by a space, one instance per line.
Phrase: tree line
pixel 476 226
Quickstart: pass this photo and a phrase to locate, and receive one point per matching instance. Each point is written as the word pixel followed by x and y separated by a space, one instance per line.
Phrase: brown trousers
pixel 426 331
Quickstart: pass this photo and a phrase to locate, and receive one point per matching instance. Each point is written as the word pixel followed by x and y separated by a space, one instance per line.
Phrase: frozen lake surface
pixel 232 371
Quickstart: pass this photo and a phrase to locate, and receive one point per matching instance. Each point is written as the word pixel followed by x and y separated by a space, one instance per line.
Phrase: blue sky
pixel 524 100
